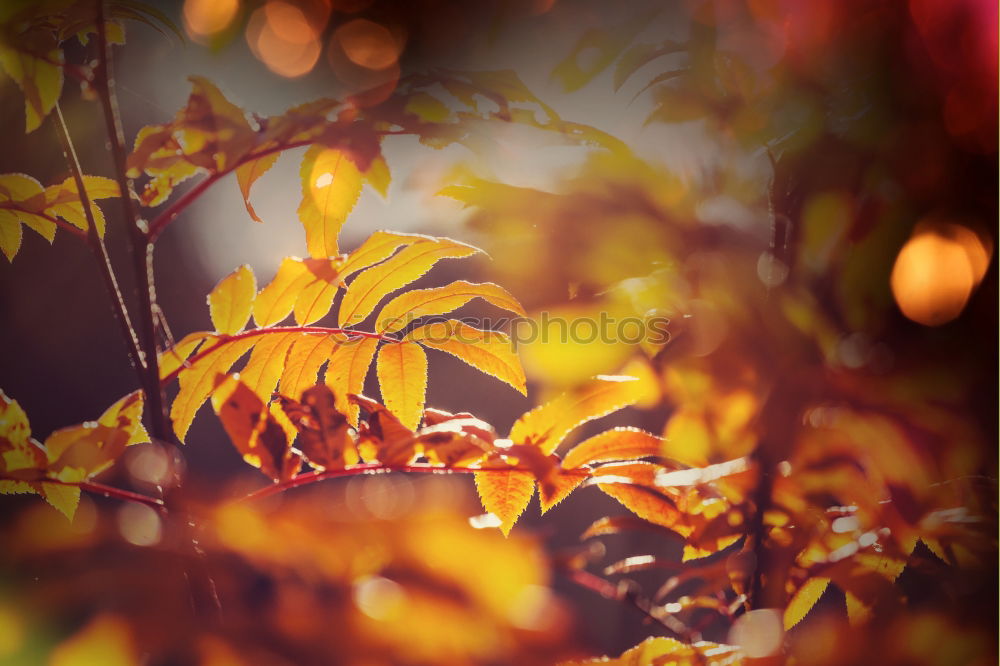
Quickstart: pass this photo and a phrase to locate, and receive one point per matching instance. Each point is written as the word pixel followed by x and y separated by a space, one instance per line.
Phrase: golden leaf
pixel 505 494
pixel 306 355
pixel 248 173
pixel 804 599
pixel 276 300
pixel 40 78
pixel 331 184
pixel 411 305
pixel 546 426
pixel 176 356
pixel 266 363
pixel 198 380
pixel 490 352
pixel 402 378
pixel 347 370
pixel 372 285
pixel 616 444
pixel 231 301
pixel 325 438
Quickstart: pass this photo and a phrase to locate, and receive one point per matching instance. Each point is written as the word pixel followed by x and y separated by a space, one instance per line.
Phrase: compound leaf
pixel 402 378
pixel 231 301
pixel 490 352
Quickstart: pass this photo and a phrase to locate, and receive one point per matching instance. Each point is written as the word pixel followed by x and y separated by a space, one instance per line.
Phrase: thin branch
pixel 142 251
pixel 100 489
pixel 254 332
pixel 58 221
pixel 378 468
pixel 96 244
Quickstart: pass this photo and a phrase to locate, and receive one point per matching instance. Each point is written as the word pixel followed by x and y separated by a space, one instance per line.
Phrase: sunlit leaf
pixel 556 487
pixel 198 380
pixel 173 358
pixel 331 184
pixel 248 173
pixel 488 351
pixel 661 650
pixel 416 303
pixel 325 438
pixel 547 426
pixel 63 200
pixel 105 640
pixel 317 289
pixel 276 300
pixel 505 494
pixel 253 430
pixel 39 75
pixel 63 498
pixel 10 234
pixel 616 444
pixel 633 484
pixel 369 287
pixel 306 355
pixel 803 600
pixel 266 363
pixel 347 370
pixel 402 379
pixel 231 301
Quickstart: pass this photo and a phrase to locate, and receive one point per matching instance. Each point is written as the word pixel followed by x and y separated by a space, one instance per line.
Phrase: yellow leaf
pixel 248 173
pixel 276 300
pixel 858 612
pixel 305 357
pixel 198 380
pixel 22 201
pixel 490 352
pixel 40 79
pixel 372 285
pixel 10 234
pixel 331 184
pixel 252 429
pixel 106 640
pixel 616 444
pixel 325 438
pixel 266 363
pixel 316 293
pixel 557 487
pixel 64 498
pixel 634 488
pixel 231 302
pixel 505 494
pixel 347 370
pixel 548 425
pixel 377 175
pixel 14 426
pixel 126 414
pixel 670 651
pixel 402 379
pixel 804 599
pixel 377 247
pixel 411 305
pixel 177 355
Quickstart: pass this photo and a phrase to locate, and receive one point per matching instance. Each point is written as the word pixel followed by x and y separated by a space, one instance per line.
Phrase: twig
pixel 96 244
pixel 273 329
pixel 100 489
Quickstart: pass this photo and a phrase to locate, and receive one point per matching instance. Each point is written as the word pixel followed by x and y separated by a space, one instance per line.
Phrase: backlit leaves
pixel 326 439
pixel 402 378
pixel 416 303
pixel 198 380
pixel 803 600
pixel 248 173
pixel 331 184
pixel 370 286
pixel 505 494
pixel 346 373
pixel 231 302
pixel 616 444
pixel 490 352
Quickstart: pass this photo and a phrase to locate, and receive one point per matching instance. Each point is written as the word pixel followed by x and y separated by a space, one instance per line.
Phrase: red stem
pixel 274 329
pixel 100 489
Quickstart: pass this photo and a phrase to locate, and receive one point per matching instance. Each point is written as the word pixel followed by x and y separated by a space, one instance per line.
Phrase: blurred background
pixel 807 190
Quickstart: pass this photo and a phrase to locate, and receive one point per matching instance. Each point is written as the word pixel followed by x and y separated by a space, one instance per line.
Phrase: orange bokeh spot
pixel 204 18
pixel 281 36
pixel 936 272
pixel 367 44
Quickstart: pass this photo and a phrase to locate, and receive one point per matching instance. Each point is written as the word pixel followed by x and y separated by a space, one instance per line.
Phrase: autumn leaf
pixel 37 70
pixel 267 362
pixel 804 599
pixel 369 287
pixel 378 247
pixel 231 301
pixel 325 438
pixel 317 292
pixel 457 441
pixel 347 370
pixel 276 300
pixel 248 173
pixel 616 444
pixel 252 429
pixel 633 484
pixel 393 443
pixel 662 650
pixel 331 184
pixel 505 494
pixel 63 200
pixel 490 352
pixel 197 381
pixel 174 357
pixel 305 357
pixel 402 378
pixel 546 426
pixel 557 487
pixel 417 303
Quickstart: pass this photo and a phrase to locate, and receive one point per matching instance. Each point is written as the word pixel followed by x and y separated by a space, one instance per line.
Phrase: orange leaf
pixel 231 302
pixel 616 444
pixel 372 285
pixel 253 430
pixel 248 173
pixel 347 370
pixel 402 379
pixel 266 363
pixel 804 599
pixel 487 351
pixel 632 484
pixel 411 305
pixel 325 438
pixel 505 494
pixel 331 184
pixel 556 487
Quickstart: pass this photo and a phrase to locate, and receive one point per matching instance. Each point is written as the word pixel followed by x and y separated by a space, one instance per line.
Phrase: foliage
pixel 796 474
